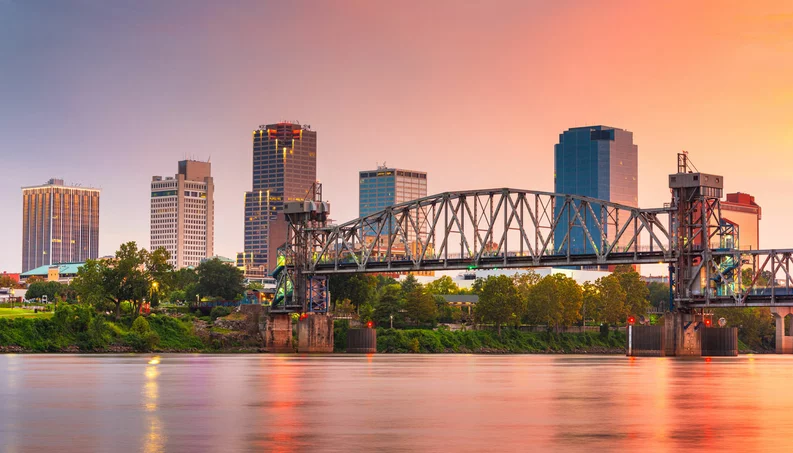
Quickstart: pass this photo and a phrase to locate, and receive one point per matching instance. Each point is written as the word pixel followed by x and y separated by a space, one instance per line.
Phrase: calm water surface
pixel 187 403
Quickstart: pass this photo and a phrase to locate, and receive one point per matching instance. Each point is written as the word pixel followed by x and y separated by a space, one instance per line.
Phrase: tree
pixel 34 279
pixel 763 279
pixel 160 274
pixel 636 292
pixel 756 326
pixel 420 306
pixel 410 284
pixel 590 302
pixel 658 295
pixel 7 282
pixel 218 279
pixel 124 277
pixel 555 301
pixel 611 305
pixel 390 305
pixel 39 289
pixel 254 286
pixel 442 286
pixel 344 308
pixel 366 312
pixel 499 302
pixel 358 288
pixel 183 278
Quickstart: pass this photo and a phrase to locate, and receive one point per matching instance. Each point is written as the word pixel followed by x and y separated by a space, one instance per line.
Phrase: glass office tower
pixel 385 187
pixel 599 162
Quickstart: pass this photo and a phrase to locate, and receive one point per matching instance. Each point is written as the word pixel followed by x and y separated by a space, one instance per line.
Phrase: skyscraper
pixel 599 162
pixel 284 169
pixel 183 214
pixel 378 189
pixel 383 187
pixel 60 224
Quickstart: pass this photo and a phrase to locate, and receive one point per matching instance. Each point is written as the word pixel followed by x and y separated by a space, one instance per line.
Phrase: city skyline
pixel 724 97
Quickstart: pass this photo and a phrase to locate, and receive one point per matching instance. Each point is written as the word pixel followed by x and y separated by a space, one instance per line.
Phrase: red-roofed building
pixel 740 209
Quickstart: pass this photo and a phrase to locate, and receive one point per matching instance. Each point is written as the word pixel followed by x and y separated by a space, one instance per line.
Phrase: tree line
pixel 523 299
pixel 136 276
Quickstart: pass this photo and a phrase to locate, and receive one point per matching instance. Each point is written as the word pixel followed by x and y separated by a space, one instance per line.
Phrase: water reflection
pixel 154 441
pixel 405 402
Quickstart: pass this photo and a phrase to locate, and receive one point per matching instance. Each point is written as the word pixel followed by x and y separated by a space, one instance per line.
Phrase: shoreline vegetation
pixel 136 302
pixel 79 329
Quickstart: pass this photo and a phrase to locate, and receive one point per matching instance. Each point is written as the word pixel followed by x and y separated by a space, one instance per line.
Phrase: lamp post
pixel 392 320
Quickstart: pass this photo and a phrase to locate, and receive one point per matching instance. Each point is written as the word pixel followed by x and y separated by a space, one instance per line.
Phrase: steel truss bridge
pixel 512 228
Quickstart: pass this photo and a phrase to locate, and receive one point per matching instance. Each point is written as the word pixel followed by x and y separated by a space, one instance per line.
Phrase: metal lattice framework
pixel 496 228
pixel 742 278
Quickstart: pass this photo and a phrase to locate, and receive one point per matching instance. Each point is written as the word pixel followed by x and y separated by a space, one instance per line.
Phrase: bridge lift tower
pixel 296 291
pixel 697 229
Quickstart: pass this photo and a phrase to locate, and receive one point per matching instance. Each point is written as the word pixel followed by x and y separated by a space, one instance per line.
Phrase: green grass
pixel 10 313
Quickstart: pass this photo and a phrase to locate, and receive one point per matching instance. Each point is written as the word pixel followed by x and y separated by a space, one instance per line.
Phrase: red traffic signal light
pixel 369 324
pixel 707 322
pixel 631 320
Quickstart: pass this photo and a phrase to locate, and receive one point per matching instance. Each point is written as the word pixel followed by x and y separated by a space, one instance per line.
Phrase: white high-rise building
pixel 183 214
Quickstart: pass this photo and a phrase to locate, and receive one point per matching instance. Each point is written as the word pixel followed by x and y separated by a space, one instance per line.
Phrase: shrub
pixel 141 337
pixel 219 312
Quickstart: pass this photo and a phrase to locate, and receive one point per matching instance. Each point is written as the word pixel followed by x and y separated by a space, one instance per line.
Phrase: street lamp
pixel 392 320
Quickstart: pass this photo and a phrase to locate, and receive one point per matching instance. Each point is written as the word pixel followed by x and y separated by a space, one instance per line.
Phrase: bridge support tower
pixel 784 343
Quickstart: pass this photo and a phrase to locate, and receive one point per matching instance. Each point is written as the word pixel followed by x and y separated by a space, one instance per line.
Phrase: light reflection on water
pixel 393 402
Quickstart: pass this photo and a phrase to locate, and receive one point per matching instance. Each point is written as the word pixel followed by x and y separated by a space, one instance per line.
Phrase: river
pixel 230 403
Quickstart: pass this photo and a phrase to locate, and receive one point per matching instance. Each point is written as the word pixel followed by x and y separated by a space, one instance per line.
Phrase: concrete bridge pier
pixel 681 336
pixel 278 333
pixel 315 333
pixel 784 343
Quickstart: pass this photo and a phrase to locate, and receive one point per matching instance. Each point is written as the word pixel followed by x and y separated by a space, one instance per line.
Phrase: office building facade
pixel 60 224
pixel 384 187
pixel 183 214
pixel 284 169
pixel 741 210
pixel 599 162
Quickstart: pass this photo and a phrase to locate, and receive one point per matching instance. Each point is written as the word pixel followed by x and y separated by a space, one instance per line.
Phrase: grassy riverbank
pixel 486 341
pixel 74 328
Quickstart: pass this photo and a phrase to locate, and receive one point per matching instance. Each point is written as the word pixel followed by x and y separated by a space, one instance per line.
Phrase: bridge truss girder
pixel 496 228
pixel 768 280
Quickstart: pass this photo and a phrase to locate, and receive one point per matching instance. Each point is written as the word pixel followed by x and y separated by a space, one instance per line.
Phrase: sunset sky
pixel 108 93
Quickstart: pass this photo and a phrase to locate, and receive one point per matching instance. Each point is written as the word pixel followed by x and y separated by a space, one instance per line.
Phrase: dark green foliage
pixel 141 337
pixel 510 341
pixel 358 288
pixel 218 279
pixel 175 334
pixel 50 289
pixel 658 295
pixel 219 312
pixel 340 328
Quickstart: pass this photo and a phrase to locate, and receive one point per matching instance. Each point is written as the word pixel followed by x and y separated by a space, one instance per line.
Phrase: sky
pixel 108 94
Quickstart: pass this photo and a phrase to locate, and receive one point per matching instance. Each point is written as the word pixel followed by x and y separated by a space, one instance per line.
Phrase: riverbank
pixel 75 329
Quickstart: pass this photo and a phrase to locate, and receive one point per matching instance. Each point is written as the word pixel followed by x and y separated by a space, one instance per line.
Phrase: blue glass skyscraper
pixel 599 162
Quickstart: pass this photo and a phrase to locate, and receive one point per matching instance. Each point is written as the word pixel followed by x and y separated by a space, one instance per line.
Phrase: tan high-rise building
pixel 741 210
pixel 284 169
pixel 183 214
pixel 60 224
